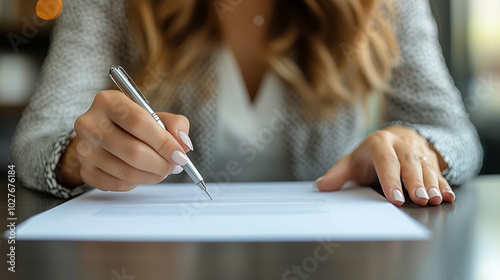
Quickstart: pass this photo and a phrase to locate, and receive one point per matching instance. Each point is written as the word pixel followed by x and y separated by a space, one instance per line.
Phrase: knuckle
pixel 129 174
pixel 83 148
pixel 427 165
pixel 134 154
pixel 412 178
pixel 86 127
pixel 137 122
pixel 388 157
pixel 382 135
pixel 102 97
pixel 411 157
pixel 432 156
pixel 407 139
pixel 106 125
pixel 82 124
pixel 79 148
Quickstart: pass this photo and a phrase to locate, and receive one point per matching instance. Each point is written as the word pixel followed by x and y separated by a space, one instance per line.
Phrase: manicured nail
pixel 421 193
pixel 177 169
pixel 185 138
pixel 448 190
pixel 398 196
pixel 179 158
pixel 434 192
pixel 315 184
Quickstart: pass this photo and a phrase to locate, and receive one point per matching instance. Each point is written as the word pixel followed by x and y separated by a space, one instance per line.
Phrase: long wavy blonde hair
pixel 330 52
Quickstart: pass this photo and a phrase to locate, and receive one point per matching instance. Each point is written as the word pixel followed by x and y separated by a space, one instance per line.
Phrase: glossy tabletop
pixel 465 244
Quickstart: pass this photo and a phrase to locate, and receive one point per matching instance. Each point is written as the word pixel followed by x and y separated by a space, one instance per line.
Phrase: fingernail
pixel 315 184
pixel 166 177
pixel 177 169
pixel 421 193
pixel 448 190
pixel 179 158
pixel 185 138
pixel 398 196
pixel 434 192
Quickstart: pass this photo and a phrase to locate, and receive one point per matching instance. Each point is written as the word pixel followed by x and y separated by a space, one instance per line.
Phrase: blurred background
pixel 469 32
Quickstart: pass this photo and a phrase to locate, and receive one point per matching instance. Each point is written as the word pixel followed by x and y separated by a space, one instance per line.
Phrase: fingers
pixel 336 177
pixel 395 156
pixel 120 145
pixel 421 176
pixel 376 156
pixel 124 146
pixel 99 179
pixel 178 126
pixel 136 121
pixel 413 175
pixel 119 169
pixel 431 179
pixel 446 191
pixel 387 166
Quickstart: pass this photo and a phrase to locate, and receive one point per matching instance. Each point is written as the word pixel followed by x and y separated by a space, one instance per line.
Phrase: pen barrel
pixel 192 172
pixel 157 119
pixel 128 87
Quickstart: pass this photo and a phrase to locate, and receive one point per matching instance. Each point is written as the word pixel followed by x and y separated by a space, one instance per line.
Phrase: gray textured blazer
pixel 90 35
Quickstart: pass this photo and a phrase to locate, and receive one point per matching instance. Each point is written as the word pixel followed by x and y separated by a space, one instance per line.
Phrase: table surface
pixel 465 244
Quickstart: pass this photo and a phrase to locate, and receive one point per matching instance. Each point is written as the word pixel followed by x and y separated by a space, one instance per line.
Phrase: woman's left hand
pixel 393 155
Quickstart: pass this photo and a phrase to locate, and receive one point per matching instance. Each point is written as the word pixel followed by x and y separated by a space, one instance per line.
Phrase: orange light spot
pixel 49 9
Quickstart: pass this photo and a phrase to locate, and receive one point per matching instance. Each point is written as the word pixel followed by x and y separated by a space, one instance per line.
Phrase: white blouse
pixel 250 137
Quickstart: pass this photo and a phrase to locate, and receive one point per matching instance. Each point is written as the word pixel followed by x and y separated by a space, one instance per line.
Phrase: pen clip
pixel 131 82
pixel 119 85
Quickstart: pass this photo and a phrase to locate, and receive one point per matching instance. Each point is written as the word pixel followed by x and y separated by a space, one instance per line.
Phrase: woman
pixel 271 90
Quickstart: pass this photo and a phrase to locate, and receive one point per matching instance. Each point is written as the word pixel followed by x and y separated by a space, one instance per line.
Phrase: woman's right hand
pixel 119 146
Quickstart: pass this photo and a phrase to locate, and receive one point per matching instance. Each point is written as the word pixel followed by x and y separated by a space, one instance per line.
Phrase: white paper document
pixel 284 211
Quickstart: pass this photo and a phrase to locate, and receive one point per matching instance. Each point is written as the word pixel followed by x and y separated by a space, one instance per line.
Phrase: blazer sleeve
pixel 424 97
pixel 86 39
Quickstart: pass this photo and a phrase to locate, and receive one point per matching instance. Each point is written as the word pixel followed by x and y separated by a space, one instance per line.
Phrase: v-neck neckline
pixel 234 99
pixel 240 82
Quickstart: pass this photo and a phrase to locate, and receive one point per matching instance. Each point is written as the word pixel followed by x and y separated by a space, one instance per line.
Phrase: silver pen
pixel 129 88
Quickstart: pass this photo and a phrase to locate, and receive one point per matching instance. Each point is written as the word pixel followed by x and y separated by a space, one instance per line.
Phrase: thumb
pixel 336 177
pixel 178 126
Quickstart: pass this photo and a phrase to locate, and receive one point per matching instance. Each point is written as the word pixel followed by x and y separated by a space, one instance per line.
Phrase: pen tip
pixel 208 195
pixel 202 186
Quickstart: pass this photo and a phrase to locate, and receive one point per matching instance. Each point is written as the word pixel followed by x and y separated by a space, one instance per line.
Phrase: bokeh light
pixel 49 9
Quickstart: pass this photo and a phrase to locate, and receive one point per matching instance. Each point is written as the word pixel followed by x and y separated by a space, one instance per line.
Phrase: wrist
pixel 68 168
